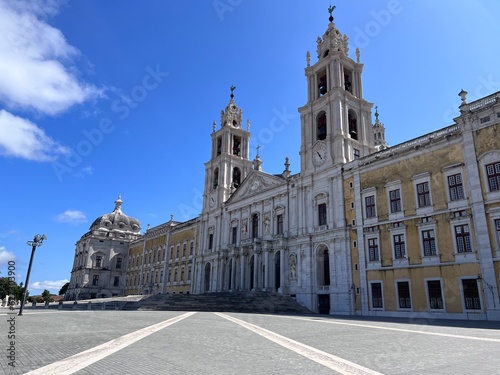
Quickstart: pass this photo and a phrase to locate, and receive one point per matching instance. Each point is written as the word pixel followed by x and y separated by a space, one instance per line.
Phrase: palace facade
pixel 411 230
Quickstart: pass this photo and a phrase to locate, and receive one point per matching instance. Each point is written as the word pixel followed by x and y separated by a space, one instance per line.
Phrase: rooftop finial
pixel 376 115
pixel 118 202
pixel 258 147
pixel 232 88
pixel 330 10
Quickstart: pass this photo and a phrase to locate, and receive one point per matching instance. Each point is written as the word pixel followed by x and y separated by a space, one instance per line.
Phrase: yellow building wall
pixel 417 277
pixel 181 237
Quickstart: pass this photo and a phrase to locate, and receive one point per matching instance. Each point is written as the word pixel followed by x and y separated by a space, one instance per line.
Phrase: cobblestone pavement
pixel 163 342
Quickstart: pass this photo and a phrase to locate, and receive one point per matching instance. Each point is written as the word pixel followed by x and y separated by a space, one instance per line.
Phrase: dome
pixel 116 220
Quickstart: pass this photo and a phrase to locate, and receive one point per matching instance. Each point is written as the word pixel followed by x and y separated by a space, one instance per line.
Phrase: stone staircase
pixel 244 302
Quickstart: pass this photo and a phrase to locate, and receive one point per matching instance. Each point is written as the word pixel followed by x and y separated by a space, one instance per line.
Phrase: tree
pixel 46 295
pixel 64 288
pixel 10 287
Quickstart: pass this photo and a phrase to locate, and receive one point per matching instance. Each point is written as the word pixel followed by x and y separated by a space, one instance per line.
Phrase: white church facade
pixel 287 233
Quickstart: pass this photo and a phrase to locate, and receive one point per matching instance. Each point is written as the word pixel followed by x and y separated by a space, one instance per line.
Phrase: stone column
pixel 242 271
pixel 256 270
pixel 266 265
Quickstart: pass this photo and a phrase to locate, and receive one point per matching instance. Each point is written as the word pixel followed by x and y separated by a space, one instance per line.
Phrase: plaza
pixel 50 341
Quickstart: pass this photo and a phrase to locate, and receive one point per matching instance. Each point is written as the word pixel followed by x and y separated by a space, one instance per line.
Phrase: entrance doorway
pixel 323 304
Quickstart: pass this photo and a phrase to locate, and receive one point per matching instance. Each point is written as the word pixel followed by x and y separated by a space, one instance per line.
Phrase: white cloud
pixel 86 171
pixel 6 256
pixel 23 139
pixel 52 285
pixel 74 217
pixel 34 68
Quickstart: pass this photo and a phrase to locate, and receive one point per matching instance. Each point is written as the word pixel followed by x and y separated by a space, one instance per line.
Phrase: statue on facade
pixel 293 266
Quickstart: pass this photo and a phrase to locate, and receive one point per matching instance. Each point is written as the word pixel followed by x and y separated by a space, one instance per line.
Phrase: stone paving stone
pixel 394 352
pixel 205 344
pixel 208 344
pixel 44 337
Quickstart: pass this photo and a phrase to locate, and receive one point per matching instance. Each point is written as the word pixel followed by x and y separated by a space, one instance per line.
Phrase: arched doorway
pixel 208 270
pixel 323 266
pixel 277 270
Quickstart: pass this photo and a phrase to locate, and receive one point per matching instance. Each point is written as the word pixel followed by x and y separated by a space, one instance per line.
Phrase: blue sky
pixel 100 98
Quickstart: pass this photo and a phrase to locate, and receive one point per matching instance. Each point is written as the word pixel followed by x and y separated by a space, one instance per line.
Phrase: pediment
pixel 254 184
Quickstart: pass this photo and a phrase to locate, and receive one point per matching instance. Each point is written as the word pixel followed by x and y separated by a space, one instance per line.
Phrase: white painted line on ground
pixel 81 360
pixel 331 361
pixel 396 329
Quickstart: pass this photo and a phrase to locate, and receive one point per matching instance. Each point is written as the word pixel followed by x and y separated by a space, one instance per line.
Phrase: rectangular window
pixel 373 254
pixel 435 295
pixel 234 236
pixel 119 263
pixel 172 252
pixel 370 206
pixel 116 281
pixel 184 250
pixel 236 145
pixel 455 187
pixel 322 214
pixel 399 246
pixel 493 173
pixel 98 261
pixel 210 241
pixel 182 274
pixel 429 242
pixel 279 224
pixel 322 87
pixel 169 274
pixel 356 153
pixel 471 294
pixel 497 227
pixel 219 145
pixel 462 237
pixel 423 194
pixel 189 272
pixel 404 295
pixel 191 248
pixel 395 197
pixel 177 251
pixel 175 275
pixel 95 280
pixel 377 302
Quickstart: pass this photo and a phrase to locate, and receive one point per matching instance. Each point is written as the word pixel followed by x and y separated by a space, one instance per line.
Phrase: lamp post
pixel 37 241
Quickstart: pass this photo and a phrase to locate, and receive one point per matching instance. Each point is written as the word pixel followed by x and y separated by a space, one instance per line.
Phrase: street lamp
pixel 37 241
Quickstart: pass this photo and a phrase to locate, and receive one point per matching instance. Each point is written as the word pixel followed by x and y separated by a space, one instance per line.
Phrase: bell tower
pixel 229 163
pixel 336 120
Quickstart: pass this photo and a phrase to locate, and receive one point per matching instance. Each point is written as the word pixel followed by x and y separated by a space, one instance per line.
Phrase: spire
pixel 286 172
pixel 379 133
pixel 232 115
pixel 257 163
pixel 332 39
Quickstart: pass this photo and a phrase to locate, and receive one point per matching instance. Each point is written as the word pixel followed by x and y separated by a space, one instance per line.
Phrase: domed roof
pixel 116 220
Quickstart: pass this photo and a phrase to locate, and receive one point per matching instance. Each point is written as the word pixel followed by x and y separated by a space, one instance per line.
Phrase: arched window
pixel 236 177
pixel 321 126
pixel 207 276
pixel 323 266
pixel 216 178
pixel 353 124
pixel 255 226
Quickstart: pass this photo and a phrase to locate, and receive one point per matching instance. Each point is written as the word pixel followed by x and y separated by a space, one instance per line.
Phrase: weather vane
pixel 330 10
pixel 232 88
